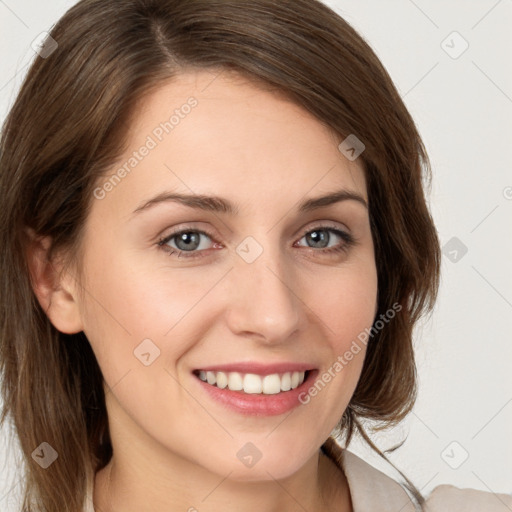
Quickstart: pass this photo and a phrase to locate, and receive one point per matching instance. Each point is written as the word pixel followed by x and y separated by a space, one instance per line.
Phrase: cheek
pixel 345 301
pixel 351 312
pixel 133 308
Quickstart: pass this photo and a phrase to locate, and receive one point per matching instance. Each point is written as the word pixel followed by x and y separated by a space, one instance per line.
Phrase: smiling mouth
pixel 251 383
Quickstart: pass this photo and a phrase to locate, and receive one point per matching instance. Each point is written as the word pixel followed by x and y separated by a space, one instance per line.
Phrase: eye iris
pixel 190 239
pixel 318 237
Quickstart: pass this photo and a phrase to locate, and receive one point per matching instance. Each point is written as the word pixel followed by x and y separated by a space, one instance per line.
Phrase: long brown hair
pixel 68 125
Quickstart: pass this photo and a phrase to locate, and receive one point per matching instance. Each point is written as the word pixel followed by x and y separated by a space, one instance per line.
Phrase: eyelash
pixel 348 239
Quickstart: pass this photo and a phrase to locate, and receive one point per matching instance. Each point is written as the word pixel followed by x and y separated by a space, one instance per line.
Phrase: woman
pixel 216 246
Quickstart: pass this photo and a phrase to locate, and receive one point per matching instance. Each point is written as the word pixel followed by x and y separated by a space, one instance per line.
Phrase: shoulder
pixel 452 499
pixel 372 489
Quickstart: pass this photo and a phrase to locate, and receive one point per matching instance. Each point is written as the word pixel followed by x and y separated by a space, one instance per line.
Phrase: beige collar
pixel 372 490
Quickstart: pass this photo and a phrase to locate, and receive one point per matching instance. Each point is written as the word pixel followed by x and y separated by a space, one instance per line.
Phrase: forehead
pixel 224 134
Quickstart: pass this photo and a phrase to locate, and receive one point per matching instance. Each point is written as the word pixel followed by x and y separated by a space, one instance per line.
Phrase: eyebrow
pixel 221 205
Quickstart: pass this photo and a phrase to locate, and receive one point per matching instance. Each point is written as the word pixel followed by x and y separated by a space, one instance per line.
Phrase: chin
pixel 276 466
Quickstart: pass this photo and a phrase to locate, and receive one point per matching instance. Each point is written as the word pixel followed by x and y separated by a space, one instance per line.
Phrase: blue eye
pixel 321 237
pixel 188 243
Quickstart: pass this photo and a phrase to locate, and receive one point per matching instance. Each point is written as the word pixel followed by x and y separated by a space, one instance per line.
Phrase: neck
pixel 124 487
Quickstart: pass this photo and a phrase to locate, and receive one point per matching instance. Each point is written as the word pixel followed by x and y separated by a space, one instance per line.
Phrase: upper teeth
pixel 252 383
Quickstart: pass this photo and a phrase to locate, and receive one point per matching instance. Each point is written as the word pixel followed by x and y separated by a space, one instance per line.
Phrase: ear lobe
pixel 55 290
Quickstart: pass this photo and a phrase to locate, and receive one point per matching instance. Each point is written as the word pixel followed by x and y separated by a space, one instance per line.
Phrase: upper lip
pixel 258 368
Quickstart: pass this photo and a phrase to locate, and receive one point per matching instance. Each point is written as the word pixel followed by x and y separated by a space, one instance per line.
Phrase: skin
pixel 175 448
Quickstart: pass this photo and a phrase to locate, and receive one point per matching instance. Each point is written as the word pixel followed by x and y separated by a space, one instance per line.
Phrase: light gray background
pixel 463 108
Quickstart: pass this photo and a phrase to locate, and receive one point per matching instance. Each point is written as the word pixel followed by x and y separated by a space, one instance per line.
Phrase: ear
pixel 55 290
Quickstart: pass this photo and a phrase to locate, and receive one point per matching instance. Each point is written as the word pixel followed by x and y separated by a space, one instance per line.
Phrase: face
pixel 257 289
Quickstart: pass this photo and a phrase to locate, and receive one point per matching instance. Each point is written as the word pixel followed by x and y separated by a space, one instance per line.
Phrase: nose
pixel 262 301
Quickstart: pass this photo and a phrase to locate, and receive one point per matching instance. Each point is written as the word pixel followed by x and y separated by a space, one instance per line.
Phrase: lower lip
pixel 258 404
